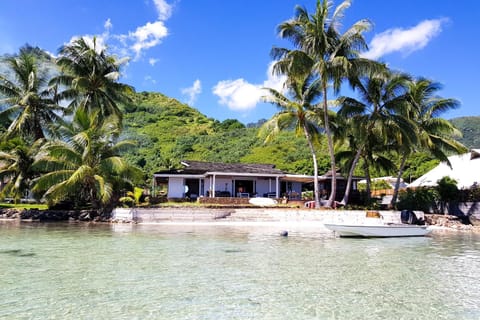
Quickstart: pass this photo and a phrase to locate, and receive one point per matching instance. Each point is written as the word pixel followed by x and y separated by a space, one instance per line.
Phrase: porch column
pixel 277 188
pixel 213 187
pixel 154 183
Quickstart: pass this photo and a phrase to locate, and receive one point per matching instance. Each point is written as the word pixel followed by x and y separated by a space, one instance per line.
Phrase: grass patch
pixel 24 206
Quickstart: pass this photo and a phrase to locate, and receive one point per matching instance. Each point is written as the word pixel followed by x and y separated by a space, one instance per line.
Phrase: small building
pixel 238 180
pixel 325 183
pixel 465 169
pixel 211 179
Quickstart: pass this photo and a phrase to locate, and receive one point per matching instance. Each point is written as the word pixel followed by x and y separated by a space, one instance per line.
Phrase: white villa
pixel 209 179
pixel 465 169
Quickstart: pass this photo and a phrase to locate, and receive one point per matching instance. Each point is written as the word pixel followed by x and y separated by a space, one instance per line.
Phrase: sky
pixel 215 55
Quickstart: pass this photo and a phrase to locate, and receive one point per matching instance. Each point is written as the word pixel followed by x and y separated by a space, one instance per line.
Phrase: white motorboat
pixel 374 226
pixel 384 230
pixel 263 202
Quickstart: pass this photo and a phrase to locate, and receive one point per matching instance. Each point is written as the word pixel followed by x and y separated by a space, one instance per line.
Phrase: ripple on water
pixel 146 272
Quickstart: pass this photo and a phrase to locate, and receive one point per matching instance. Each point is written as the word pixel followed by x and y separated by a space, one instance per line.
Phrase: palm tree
pixel 335 56
pixel 86 164
pixel 90 76
pixel 377 119
pixel 297 112
pixel 348 135
pixel 31 106
pixel 16 168
pixel 436 135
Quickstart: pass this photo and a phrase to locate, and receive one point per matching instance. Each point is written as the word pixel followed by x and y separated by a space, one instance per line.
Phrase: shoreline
pixel 237 217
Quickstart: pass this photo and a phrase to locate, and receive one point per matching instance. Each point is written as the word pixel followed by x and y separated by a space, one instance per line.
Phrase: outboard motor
pixel 408 217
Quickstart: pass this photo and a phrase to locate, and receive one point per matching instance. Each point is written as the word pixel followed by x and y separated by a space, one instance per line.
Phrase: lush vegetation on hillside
pixel 167 131
pixel 73 134
pixel 470 128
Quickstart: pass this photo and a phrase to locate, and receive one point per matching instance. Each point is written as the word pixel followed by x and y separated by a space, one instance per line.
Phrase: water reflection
pixel 73 271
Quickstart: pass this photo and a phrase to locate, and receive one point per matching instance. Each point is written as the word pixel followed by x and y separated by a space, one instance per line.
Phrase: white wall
pixel 264 186
pixel 176 188
pixel 297 187
pixel 220 184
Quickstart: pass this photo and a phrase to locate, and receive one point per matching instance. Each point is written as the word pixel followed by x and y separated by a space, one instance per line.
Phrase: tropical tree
pixel 86 164
pixel 377 120
pixel 335 55
pixel 447 191
pixel 90 78
pixel 297 112
pixel 435 135
pixel 30 103
pixel 16 168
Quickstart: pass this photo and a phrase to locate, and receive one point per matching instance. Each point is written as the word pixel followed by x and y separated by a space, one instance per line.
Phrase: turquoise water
pixel 70 271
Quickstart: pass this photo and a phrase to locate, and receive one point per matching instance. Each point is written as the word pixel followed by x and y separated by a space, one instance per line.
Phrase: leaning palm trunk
pixel 315 168
pixel 368 179
pixel 350 177
pixel 331 149
pixel 397 183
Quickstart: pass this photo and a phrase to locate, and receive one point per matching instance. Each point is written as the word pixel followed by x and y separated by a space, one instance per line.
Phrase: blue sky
pixel 214 54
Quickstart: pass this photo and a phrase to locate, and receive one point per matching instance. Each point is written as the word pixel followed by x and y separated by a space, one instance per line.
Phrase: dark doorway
pixel 244 187
pixel 193 190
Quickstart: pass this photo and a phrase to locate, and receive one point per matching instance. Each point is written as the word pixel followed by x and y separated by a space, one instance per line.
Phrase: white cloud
pixel 147 36
pixel 404 40
pixel 136 42
pixel 152 61
pixel 99 41
pixel 240 95
pixel 108 24
pixel 273 81
pixel 152 33
pixel 192 92
pixel 163 8
pixel 150 79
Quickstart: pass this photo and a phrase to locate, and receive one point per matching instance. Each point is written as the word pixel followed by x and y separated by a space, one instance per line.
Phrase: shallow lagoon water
pixel 82 271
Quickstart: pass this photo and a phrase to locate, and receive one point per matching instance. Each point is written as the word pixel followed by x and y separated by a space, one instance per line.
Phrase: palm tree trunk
pixel 331 149
pixel 369 182
pixel 37 129
pixel 350 177
pixel 397 183
pixel 315 168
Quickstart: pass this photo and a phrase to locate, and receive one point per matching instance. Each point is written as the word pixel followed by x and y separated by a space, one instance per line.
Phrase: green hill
pixel 167 131
pixel 470 128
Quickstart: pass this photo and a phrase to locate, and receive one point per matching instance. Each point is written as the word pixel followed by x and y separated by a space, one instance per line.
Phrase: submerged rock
pixel 284 233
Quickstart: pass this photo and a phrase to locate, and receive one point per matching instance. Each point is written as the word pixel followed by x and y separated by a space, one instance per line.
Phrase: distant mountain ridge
pixel 167 131
pixel 470 128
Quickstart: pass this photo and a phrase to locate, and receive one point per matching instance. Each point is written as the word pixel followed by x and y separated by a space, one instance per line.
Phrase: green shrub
pixel 126 202
pixel 470 195
pixel 307 195
pixel 424 199
pixel 447 189
pixel 375 185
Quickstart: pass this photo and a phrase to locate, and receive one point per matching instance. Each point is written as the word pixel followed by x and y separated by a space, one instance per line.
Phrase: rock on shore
pixel 52 215
pixel 443 221
pixel 450 222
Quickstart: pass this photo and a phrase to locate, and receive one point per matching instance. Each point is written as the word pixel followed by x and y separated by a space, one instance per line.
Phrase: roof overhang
pixel 244 174
pixel 298 178
pixel 207 174
pixel 186 176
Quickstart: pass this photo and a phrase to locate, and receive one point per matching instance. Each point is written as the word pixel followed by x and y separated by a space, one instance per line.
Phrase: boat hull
pixel 263 202
pixel 379 231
